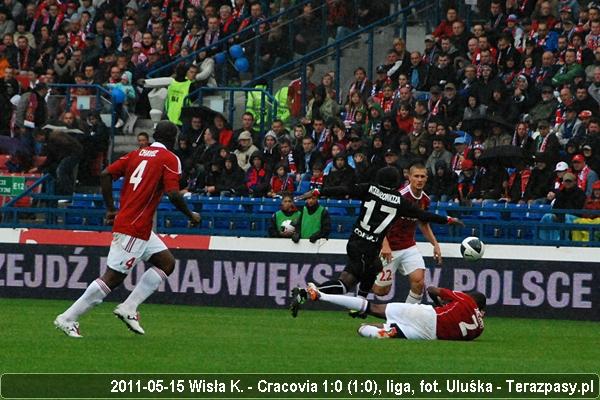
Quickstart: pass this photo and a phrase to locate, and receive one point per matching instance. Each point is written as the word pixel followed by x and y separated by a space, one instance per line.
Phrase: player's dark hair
pixel 286 195
pixel 144 134
pixel 479 299
pixel 165 133
pixel 388 177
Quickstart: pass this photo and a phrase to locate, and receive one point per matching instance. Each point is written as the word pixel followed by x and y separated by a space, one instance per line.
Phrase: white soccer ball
pixel 287 227
pixel 472 248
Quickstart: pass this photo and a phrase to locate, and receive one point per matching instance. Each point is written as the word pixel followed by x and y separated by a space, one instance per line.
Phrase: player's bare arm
pixel 177 199
pixel 434 293
pixel 386 250
pixel 107 194
pixel 428 234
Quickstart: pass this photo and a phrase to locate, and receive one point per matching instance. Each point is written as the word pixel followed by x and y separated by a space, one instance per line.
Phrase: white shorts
pixel 126 251
pixel 417 321
pixel 404 261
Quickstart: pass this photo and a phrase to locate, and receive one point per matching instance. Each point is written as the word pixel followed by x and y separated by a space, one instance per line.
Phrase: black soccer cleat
pixel 357 314
pixel 299 297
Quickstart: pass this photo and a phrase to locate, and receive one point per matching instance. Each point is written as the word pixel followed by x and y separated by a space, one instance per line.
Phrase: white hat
pixel 561 166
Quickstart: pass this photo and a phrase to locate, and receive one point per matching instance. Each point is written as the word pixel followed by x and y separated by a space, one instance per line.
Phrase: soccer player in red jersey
pixel 149 172
pixel 399 248
pixel 456 316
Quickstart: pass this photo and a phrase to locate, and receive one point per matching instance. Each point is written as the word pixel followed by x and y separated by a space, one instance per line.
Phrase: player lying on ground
pixel 382 205
pixel 457 315
pixel 149 173
pixel 399 248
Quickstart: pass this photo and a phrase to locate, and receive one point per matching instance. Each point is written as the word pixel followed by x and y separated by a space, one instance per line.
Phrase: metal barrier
pixel 83 102
pixel 337 47
pixel 267 102
pixel 227 40
pixel 496 223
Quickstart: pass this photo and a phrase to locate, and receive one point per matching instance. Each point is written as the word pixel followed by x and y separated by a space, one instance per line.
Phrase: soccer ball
pixel 472 248
pixel 287 227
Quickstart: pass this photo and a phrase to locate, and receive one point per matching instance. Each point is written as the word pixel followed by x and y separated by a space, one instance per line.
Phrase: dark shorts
pixel 363 262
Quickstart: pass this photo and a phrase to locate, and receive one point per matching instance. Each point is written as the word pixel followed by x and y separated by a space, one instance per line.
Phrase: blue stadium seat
pixel 118 184
pixel 303 187
pixel 517 211
pixel 537 211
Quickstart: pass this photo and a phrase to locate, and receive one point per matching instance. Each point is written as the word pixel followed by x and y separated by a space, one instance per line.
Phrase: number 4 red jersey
pixel 148 173
pixel 460 319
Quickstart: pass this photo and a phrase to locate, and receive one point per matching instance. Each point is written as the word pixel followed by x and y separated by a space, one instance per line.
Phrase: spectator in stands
pixel 341 174
pixel 280 182
pixel 586 177
pixel 569 127
pixel 143 140
pixel 308 30
pixel 571 68
pixel 467 180
pixel 257 176
pixel 63 153
pixel 438 154
pixel 31 113
pixel 279 220
pixel 296 88
pixel 321 106
pixel 540 182
pixel 444 29
pixel 361 84
pixel 569 197
pixel 441 184
pixel 363 171
pixel 307 157
pixel 247 126
pixel 314 222
pixel 518 181
pixel 231 180
pixel 245 150
pixel 317 177
pixel 547 142
pixel 270 150
pixel 592 203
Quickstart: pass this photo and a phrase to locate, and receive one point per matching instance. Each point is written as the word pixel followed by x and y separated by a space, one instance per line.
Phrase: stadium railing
pixel 335 48
pixel 499 223
pixel 228 40
pixel 64 99
pixel 267 102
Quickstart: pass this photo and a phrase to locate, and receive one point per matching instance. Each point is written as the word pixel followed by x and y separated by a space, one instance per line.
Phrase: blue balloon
pixel 236 51
pixel 242 64
pixel 118 96
pixel 220 58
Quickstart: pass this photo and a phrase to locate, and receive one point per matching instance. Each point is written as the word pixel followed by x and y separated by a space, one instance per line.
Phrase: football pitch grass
pixel 210 339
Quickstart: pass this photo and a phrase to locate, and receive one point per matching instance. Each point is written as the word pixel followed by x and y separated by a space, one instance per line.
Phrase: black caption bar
pixel 299 386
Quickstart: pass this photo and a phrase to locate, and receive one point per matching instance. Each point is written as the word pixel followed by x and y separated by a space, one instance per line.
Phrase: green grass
pixel 207 339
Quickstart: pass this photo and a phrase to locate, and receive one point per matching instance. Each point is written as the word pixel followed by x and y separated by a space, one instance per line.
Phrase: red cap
pixel 585 114
pixel 466 164
pixel 578 158
pixel 596 185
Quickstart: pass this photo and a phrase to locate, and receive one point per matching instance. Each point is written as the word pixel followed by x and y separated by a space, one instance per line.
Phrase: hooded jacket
pixel 439 186
pixel 257 179
pixel 231 180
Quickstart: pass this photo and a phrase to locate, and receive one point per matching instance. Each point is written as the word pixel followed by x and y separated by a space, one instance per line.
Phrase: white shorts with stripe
pixel 417 321
pixel 126 251
pixel 405 261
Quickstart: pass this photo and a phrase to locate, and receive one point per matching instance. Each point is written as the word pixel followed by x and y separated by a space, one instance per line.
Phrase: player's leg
pixel 413 265
pixel 385 278
pixel 119 261
pixel 163 264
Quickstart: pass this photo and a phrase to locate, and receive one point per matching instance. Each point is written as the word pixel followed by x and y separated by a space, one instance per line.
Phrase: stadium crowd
pixel 504 110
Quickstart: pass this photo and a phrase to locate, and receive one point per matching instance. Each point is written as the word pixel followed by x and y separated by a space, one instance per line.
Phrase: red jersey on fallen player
pixel 402 234
pixel 460 319
pixel 148 172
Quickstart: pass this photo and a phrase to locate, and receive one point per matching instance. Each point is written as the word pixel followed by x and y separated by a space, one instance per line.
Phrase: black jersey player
pixel 381 205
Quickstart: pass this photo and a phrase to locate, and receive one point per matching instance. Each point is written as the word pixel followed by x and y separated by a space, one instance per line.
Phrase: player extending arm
pixel 399 248
pixel 459 318
pixel 149 172
pixel 381 206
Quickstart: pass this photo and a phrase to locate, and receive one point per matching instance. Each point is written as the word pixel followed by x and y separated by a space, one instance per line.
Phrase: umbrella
pixel 504 156
pixel 499 120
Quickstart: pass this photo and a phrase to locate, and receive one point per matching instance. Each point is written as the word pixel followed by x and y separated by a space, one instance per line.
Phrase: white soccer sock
pixel 369 331
pixel 150 281
pixel 414 298
pixel 353 303
pixel 93 295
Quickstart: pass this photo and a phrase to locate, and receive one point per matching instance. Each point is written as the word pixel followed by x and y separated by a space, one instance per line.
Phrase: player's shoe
pixel 131 320
pixel 312 292
pixel 357 314
pixel 69 328
pixel 299 297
